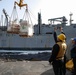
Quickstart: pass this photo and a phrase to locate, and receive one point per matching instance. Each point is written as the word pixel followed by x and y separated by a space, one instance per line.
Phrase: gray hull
pixel 37 41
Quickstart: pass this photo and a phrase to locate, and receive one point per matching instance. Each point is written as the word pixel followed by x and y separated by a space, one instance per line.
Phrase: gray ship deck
pixel 26 68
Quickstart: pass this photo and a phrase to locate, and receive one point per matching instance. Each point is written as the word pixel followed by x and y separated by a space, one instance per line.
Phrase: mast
pixel 39 23
pixel 70 18
pixel 6 15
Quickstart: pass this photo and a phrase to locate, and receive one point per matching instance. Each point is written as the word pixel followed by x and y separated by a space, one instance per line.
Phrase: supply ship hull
pixel 44 40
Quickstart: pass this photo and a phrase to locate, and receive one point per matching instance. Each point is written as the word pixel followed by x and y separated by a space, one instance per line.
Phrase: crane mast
pixel 62 20
pixel 6 15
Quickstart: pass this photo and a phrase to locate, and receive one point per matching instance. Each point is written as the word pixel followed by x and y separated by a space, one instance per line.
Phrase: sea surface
pixel 24 52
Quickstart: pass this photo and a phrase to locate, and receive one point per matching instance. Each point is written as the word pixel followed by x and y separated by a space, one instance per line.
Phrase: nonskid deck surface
pixel 26 68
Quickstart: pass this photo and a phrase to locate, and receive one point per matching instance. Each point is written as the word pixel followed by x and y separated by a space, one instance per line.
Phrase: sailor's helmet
pixel 61 37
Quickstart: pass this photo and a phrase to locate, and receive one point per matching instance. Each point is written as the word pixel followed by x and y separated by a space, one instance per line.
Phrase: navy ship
pixel 25 36
pixel 42 38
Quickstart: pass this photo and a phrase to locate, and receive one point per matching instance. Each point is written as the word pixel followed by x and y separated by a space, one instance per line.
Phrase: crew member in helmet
pixel 57 56
pixel 55 38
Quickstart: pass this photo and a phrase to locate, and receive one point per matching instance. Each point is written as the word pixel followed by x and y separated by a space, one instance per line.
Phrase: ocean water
pixel 25 52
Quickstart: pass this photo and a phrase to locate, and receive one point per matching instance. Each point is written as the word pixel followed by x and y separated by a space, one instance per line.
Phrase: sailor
pixel 57 56
pixel 73 55
pixel 60 29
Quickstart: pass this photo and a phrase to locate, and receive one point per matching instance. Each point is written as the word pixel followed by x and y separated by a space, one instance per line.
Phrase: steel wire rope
pixel 30 11
pixel 28 15
pixel 33 16
pixel 14 13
